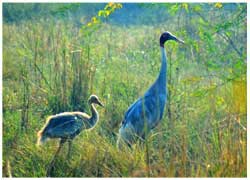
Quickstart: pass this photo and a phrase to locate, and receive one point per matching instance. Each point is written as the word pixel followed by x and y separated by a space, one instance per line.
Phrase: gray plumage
pixel 146 113
pixel 68 125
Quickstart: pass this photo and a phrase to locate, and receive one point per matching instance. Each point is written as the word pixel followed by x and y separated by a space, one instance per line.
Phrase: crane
pixel 146 112
pixel 68 125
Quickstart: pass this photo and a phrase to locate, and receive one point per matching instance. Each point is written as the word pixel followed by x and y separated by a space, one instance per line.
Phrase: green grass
pixel 212 150
pixel 43 67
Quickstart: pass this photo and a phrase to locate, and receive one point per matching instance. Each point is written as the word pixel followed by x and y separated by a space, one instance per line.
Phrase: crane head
pixel 168 36
pixel 94 99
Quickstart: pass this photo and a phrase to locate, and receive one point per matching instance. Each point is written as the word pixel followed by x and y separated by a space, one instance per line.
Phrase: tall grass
pixel 204 136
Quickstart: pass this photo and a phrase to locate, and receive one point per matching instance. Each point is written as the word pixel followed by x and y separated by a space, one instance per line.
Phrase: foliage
pixel 53 65
pixel 96 20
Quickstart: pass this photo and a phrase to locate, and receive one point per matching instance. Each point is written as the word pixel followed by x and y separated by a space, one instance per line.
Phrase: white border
pixel 124 1
pixel 1 91
pixel 248 87
pixel 135 1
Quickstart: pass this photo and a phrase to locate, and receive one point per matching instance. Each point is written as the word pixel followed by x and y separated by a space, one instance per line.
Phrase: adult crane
pixel 68 125
pixel 146 113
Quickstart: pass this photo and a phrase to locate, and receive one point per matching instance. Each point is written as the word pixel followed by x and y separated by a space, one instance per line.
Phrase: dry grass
pixel 204 137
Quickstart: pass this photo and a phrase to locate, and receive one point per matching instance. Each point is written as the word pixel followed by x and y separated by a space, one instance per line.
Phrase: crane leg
pixel 70 149
pixel 51 165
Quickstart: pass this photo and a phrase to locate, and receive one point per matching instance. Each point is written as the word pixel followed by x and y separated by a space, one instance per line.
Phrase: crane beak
pixel 99 103
pixel 180 41
pixel 177 40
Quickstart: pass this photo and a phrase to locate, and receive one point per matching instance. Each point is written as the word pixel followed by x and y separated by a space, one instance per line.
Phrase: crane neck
pixel 94 115
pixel 162 78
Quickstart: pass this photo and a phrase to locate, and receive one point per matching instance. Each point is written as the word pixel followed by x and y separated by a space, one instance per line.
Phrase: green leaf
pixel 101 13
pixel 173 9
pixel 197 8
pixel 185 6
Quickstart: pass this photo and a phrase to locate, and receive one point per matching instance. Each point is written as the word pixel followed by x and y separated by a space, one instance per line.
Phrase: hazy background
pixel 55 55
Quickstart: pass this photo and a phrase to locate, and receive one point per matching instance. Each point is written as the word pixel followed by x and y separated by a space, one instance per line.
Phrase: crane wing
pixel 64 125
pixel 131 107
pixel 149 108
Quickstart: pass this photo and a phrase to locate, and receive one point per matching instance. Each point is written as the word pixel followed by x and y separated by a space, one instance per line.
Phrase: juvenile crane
pixel 146 113
pixel 68 125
